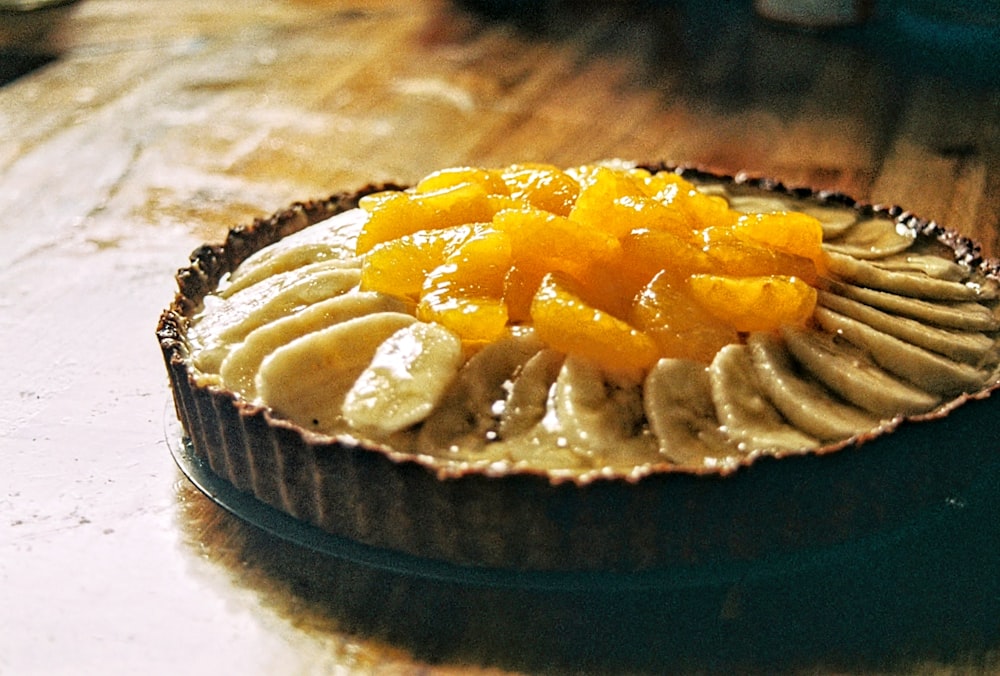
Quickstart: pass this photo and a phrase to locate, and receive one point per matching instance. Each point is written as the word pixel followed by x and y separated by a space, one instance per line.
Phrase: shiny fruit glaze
pixel 615 264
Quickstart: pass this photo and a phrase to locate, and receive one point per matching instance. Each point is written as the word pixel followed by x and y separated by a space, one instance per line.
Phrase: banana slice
pixel 592 406
pixel 332 240
pixel 307 379
pixel 926 370
pixel 467 412
pixel 969 348
pixel 743 409
pixel 804 403
pixel 922 264
pixel 528 393
pixel 872 238
pixel 599 415
pixel 239 369
pixel 964 315
pixel 305 260
pixel 850 373
pixel 681 414
pixel 865 273
pixel 835 221
pixel 233 318
pixel 404 381
pixel 761 204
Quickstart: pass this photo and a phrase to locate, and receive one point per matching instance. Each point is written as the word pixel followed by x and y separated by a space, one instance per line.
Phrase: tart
pixel 606 368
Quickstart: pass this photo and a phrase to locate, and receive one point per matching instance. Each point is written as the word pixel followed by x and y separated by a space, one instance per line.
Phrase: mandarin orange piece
pixel 736 258
pixel 480 262
pixel 458 204
pixel 665 185
pixel 586 173
pixel 755 303
pixel 568 324
pixel 602 285
pixel 649 252
pixel 683 200
pixel 583 174
pixel 490 180
pixel 609 288
pixel 616 203
pixel 594 206
pixel 465 293
pixel 398 266
pixel 519 287
pixel 543 186
pixel 474 320
pixel 792 232
pixel 706 210
pixel 679 325
pixel 390 215
pixel 404 213
pixel 373 202
pixel 542 241
pixel 501 202
pixel 664 182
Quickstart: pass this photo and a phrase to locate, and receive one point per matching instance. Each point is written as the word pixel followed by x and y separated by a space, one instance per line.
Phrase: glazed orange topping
pixel 618 265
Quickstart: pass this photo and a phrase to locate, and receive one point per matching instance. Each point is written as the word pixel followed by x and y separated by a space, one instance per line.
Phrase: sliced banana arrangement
pixel 898 330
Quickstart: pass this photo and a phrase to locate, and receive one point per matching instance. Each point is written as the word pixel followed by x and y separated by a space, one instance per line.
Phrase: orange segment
pixel 665 186
pixel 735 258
pixel 464 294
pixel 474 320
pixel 567 323
pixel 618 203
pixel 398 266
pixel 519 287
pixel 679 325
pixel 402 213
pixel 792 232
pixel 543 186
pixel 706 210
pixel 650 252
pixel 755 303
pixel 501 202
pixel 542 241
pixel 490 180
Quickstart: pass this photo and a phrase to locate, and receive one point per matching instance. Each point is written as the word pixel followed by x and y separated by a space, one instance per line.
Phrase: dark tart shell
pixel 655 518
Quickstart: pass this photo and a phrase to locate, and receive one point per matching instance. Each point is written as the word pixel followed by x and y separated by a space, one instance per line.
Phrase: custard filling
pixel 600 318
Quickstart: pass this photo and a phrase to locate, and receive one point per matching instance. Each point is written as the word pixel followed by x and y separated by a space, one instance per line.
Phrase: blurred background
pixel 959 38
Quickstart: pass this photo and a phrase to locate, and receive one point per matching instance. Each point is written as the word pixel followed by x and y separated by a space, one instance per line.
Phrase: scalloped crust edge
pixel 654 518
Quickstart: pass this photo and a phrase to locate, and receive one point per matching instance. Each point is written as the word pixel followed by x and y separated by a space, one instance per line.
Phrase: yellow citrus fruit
pixel 403 213
pixel 681 328
pixel 617 264
pixel 543 186
pixel 569 324
pixel 755 303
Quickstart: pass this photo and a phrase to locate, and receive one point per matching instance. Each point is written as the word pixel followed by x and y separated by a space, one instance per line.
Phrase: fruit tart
pixel 611 367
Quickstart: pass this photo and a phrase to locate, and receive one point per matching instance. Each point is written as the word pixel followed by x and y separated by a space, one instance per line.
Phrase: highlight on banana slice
pixel 601 316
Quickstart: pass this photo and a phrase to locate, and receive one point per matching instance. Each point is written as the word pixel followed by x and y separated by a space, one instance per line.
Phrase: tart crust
pixel 653 518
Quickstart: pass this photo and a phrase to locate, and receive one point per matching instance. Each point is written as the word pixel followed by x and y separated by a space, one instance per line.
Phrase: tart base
pixel 767 569
pixel 525 520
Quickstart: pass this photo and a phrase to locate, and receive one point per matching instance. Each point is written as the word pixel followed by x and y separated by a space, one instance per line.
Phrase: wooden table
pixel 151 127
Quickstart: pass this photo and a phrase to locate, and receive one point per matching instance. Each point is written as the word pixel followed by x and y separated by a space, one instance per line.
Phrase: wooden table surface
pixel 146 128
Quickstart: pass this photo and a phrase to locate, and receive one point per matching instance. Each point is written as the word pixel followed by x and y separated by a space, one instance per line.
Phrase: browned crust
pixel 531 520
